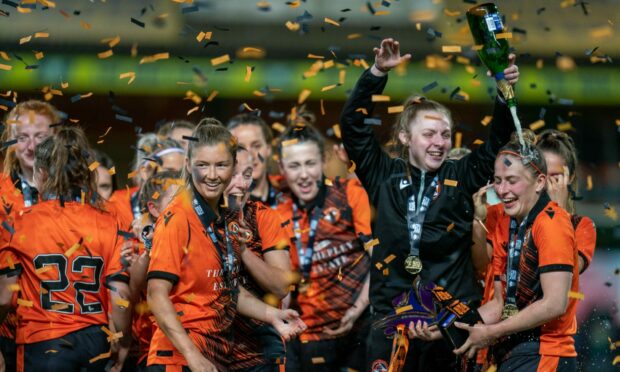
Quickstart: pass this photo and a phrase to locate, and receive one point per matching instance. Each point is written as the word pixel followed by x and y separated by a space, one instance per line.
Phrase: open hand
pixel 387 56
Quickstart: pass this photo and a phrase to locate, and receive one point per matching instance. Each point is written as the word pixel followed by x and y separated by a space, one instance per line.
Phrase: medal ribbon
pixel 305 254
pixel 200 207
pixel 517 238
pixel 415 217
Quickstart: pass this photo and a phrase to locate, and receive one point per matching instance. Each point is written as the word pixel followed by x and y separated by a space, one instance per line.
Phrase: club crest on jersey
pixel 233 228
pixel 332 215
pixel 379 365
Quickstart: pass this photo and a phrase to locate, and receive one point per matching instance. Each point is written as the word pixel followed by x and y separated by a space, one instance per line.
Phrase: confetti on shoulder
pixel 451 183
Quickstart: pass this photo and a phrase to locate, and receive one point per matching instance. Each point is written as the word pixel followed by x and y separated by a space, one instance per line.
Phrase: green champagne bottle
pixel 485 23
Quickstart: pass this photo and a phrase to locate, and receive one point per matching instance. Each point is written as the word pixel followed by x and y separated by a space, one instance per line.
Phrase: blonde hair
pixel 11 164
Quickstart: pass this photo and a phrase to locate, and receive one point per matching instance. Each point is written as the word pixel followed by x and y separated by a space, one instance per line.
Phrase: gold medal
pixel 413 265
pixel 509 310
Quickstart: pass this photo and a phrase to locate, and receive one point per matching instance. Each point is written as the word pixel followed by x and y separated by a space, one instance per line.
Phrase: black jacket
pixel 445 248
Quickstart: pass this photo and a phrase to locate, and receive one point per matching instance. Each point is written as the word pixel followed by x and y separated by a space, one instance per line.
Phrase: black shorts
pixel 8 350
pixel 71 352
pixel 525 357
pixel 422 356
pixel 330 355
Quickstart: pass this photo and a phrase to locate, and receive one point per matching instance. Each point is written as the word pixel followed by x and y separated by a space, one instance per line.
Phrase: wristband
pixel 381 69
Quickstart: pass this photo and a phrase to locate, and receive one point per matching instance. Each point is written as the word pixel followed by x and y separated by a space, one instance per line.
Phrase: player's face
pixel 555 165
pixel 251 137
pixel 177 135
pixel 29 131
pixel 211 167
pixel 429 140
pixel 242 177
pixel 302 167
pixel 516 186
pixel 104 183
pixel 167 195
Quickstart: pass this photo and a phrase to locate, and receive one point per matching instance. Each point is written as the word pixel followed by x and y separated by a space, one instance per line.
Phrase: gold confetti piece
pixel 112 171
pixel 329 87
pixel 386 272
pixel 618 122
pixel 362 110
pixel 322 108
pixel 451 183
pixel 492 368
pixel 463 60
pixel 25 39
pixel 22 302
pixel 353 36
pixel 292 26
pixel 131 75
pixel 564 127
pixel 395 109
pixel 69 252
pixel 539 64
pixel 537 125
pixel 9 261
pixel 328 182
pixel 5 67
pixel 212 96
pixel 42 270
pixel 504 35
pixel 458 138
pixel 64 85
pixel 85 25
pixel 278 127
pixel 379 265
pixel 314 56
pixel 352 167
pixel 248 74
pixel 4 56
pixel 39 55
pixel 371 244
pixel 389 258
pixel 247 107
pixel 289 142
pixel 155 195
pixel 486 120
pixel 432 117
pixel 57 307
pixel 122 302
pixel 337 132
pixel 478 141
pixel 41 35
pixel 155 57
pixel 451 48
pixel 382 13
pixel 450 13
pixel 101 356
pixel 450 227
pixel 616 360
pixel 402 309
pixel 380 98
pixel 576 295
pixel 51 351
pixel 610 212
pixel 303 96
pixel 258 93
pixel 93 166
pixel 201 36
pixel 318 360
pixel 134 50
pixel 192 110
pixel 114 41
pixel 331 22
pixel 219 60
pixel 14 287
pixel 589 185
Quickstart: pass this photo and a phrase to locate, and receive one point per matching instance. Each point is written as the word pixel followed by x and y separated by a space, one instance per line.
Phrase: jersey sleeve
pixel 170 241
pixel 585 236
pixel 553 235
pixel 357 198
pixel 272 234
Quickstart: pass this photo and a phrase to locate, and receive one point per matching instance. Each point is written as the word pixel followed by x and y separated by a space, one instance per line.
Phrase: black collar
pixel 209 215
pixel 542 202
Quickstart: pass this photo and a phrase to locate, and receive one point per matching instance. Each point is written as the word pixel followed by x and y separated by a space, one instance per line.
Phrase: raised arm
pixel 372 163
pixel 476 169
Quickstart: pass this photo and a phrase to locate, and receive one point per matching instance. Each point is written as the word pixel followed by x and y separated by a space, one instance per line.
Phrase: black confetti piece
pixel 540 10
pixel 370 8
pixel 189 9
pixel 124 118
pixel 8 143
pixel 190 138
pixel 372 121
pixel 10 3
pixel 136 22
pixel 430 86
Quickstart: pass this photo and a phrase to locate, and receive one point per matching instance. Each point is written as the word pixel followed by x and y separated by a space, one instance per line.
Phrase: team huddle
pixel 233 251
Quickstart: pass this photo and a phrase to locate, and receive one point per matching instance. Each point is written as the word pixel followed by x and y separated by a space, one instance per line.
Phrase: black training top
pixel 445 248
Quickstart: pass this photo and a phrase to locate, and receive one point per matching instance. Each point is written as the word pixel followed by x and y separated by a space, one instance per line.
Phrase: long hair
pixel 11 164
pixel 561 144
pixel 209 132
pixel 534 161
pixel 65 159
